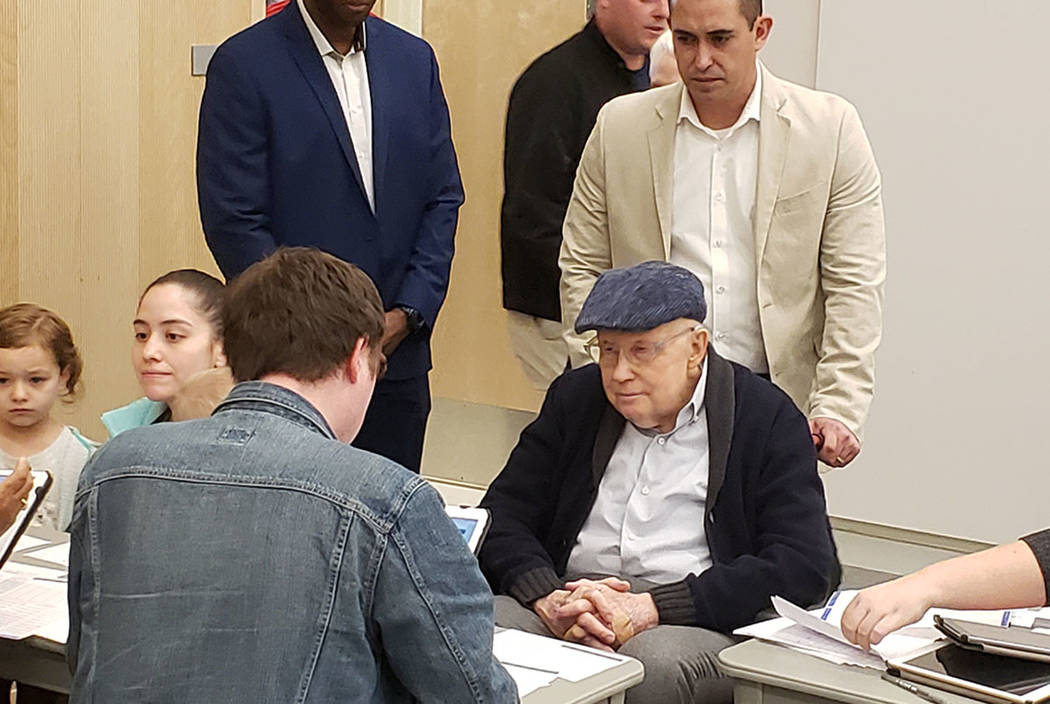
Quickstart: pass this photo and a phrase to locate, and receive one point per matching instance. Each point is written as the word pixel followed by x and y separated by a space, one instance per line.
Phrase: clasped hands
pixel 602 614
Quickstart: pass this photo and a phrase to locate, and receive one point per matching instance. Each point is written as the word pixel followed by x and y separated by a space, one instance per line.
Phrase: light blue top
pixel 134 415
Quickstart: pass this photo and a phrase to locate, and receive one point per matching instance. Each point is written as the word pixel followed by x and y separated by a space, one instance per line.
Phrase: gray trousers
pixel 680 662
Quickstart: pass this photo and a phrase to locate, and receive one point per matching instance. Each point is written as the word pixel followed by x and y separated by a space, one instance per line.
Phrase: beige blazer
pixel 818 229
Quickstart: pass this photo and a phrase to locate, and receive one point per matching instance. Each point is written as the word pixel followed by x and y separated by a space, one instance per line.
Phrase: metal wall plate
pixel 200 55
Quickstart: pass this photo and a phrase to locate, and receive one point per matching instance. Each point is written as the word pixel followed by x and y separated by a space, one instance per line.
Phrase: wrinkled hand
pixel 559 612
pixel 618 615
pixel 836 444
pixel 880 610
pixel 395 329
pixel 14 493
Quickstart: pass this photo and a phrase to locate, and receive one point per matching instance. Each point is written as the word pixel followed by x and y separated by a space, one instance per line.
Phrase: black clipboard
pixel 42 481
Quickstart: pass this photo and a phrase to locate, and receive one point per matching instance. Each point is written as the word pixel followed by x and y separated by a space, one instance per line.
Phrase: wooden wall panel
pixel 49 159
pixel 109 186
pixel 169 223
pixel 482 47
pixel 8 151
pixel 98 119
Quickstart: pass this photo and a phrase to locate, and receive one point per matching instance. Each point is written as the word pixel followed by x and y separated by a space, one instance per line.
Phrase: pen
pixel 921 693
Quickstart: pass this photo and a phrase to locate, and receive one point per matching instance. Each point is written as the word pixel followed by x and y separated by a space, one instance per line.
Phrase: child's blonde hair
pixel 27 324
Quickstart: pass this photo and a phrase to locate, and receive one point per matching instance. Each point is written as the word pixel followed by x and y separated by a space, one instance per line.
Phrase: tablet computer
pixel 472 523
pixel 1001 640
pixel 41 485
pixel 984 676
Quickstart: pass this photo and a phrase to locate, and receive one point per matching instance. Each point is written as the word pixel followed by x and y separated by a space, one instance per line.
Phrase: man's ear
pixel 358 361
pixel 763 26
pixel 699 340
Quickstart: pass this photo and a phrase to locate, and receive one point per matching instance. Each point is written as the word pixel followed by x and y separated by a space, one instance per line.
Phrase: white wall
pixel 791 51
pixel 953 96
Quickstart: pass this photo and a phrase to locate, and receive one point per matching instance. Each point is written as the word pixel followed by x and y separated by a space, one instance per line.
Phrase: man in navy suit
pixel 326 127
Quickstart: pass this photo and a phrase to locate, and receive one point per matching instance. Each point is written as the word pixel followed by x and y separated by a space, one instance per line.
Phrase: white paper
pixel 827 622
pixel 526 649
pixel 58 554
pixel 31 606
pixel 579 662
pixel 550 657
pixel 49 573
pixel 28 542
pixel 784 631
pixel 528 681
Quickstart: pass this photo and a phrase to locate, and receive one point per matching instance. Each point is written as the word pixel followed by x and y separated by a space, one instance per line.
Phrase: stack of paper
pixel 819 632
pixel 33 606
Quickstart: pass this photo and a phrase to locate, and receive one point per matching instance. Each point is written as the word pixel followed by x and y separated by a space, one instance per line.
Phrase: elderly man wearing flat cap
pixel 660 498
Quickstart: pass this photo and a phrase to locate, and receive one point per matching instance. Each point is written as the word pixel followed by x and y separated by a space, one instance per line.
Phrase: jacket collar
pixel 774 135
pixel 263 397
pixel 305 53
pixel 720 402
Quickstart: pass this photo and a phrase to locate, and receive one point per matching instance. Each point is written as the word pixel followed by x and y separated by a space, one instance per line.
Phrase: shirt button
pixel 645 490
pixel 720 289
pixel 719 197
pixel 662 441
pixel 721 336
pixel 718 243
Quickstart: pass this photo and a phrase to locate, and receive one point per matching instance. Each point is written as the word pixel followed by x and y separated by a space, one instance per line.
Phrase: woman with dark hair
pixel 177 336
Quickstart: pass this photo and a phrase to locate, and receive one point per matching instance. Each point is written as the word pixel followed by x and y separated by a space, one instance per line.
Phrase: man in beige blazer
pixel 768 191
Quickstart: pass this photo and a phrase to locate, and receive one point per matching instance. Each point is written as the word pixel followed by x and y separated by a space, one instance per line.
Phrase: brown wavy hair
pixel 27 324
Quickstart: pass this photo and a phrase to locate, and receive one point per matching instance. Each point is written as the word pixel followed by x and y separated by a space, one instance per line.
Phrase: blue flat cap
pixel 642 297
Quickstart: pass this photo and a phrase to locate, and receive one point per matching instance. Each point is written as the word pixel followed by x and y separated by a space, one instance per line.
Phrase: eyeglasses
pixel 607 354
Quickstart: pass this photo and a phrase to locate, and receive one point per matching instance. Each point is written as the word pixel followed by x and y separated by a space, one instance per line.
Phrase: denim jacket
pixel 251 557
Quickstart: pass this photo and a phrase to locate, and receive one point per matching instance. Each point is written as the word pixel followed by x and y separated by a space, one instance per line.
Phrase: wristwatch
pixel 413 317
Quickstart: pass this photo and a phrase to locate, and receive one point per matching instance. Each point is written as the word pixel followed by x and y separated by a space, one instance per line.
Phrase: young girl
pixel 178 335
pixel 39 364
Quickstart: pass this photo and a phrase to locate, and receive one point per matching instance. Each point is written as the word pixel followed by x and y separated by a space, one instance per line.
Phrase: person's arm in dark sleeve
pixel 795 557
pixel 426 281
pixel 522 501
pixel 433 611
pixel 542 150
pixel 1039 544
pixel 233 181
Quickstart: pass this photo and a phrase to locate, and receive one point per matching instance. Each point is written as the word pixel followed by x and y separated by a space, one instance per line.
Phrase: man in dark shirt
pixel 552 109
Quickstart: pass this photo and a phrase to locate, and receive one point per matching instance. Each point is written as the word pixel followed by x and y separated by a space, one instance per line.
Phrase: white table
pixel 766 673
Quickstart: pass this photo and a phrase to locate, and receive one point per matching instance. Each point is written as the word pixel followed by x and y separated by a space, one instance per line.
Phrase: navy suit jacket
pixel 275 165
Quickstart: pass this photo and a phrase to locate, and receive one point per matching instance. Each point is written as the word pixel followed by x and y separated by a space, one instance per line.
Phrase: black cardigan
pixel 765 520
pixel 551 112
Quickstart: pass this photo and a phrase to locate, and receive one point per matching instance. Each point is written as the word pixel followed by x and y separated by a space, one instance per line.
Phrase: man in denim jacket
pixel 254 556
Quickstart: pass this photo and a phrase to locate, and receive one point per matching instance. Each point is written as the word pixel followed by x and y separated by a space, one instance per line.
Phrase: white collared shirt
pixel 648 519
pixel 349 76
pixel 712 227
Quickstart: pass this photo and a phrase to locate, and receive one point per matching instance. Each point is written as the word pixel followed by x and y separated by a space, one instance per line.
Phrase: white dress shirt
pixel 712 231
pixel 349 74
pixel 648 519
